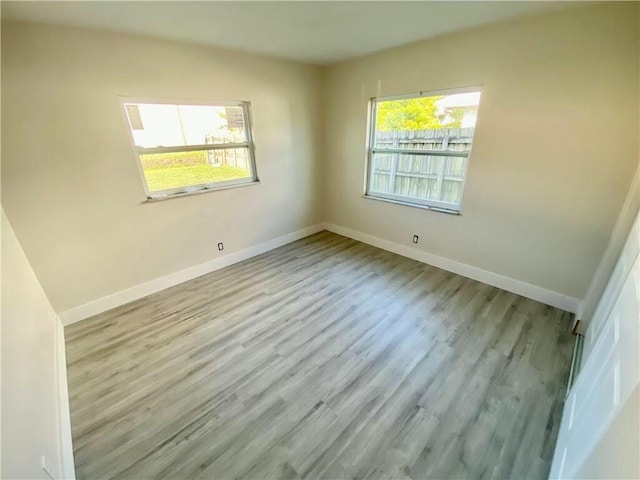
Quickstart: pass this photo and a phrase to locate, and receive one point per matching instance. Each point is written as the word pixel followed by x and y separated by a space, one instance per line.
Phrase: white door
pixel 611 369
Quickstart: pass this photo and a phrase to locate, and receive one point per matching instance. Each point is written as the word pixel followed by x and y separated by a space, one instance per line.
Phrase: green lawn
pixel 163 178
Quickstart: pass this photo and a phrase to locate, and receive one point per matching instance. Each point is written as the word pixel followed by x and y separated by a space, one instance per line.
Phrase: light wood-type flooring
pixel 325 358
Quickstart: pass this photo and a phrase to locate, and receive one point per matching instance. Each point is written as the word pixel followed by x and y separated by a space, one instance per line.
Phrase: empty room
pixel 320 239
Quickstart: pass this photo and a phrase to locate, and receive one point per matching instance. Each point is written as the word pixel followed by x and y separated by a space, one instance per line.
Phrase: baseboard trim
pixel 64 416
pixel 518 287
pixel 117 299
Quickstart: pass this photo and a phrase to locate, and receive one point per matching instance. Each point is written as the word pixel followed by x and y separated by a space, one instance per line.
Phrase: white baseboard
pixel 64 418
pixel 103 304
pixel 518 287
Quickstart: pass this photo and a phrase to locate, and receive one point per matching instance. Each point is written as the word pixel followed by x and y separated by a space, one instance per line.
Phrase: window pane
pixel 163 125
pixel 380 178
pixel 445 123
pixel 423 177
pixel 427 122
pixel 165 171
pixel 451 191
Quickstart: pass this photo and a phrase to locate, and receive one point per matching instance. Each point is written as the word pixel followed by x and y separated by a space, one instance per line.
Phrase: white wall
pixel 34 420
pixel 599 433
pixel 618 236
pixel 537 211
pixel 555 147
pixel 69 179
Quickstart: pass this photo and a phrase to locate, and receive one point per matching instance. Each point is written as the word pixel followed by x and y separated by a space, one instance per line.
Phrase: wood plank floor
pixel 326 358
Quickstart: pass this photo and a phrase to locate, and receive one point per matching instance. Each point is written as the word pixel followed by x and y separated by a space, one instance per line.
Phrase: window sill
pixel 200 191
pixel 414 205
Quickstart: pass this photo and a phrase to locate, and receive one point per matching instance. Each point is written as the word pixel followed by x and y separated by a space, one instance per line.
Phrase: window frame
pixel 436 205
pixel 202 187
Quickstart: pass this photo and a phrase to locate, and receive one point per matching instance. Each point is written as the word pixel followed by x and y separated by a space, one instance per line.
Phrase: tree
pixel 416 114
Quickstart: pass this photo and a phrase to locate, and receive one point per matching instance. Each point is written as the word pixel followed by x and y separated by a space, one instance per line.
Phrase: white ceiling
pixel 306 31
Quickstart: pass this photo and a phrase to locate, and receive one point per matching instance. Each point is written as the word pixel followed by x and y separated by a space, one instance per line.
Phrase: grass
pixel 183 159
pixel 163 178
pixel 181 169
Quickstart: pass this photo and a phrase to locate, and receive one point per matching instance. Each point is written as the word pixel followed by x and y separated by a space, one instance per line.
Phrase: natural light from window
pixel 419 147
pixel 185 148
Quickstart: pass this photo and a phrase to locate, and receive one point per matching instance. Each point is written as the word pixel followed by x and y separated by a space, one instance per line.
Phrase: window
pixel 419 147
pixel 187 147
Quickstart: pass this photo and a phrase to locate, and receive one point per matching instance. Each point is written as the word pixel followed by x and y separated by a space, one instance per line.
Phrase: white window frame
pixel 199 188
pixel 445 207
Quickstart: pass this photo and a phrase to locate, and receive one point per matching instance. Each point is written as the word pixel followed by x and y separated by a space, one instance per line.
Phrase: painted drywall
pixel 616 453
pixel 536 211
pixel 70 183
pixel 555 148
pixel 31 413
pixel 618 236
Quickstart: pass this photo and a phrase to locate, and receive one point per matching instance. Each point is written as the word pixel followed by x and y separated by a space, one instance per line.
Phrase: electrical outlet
pixel 415 239
pixel 220 246
pixel 48 468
